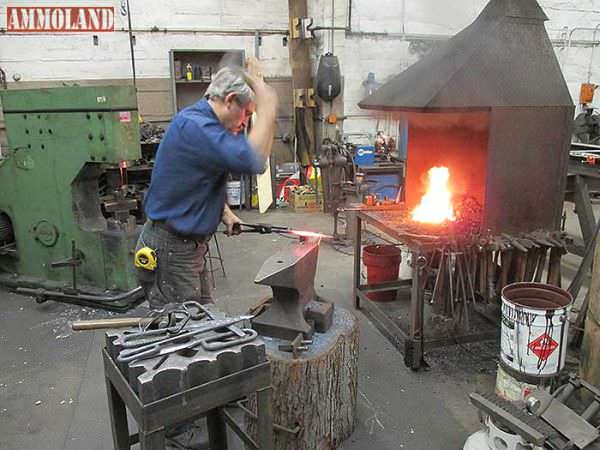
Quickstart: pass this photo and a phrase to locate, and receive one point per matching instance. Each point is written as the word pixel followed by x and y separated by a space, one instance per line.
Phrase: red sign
pixel 64 19
pixel 124 116
pixel 543 346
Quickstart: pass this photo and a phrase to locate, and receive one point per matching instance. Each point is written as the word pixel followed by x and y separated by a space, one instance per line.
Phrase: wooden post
pixel 590 347
pixel 301 79
pixel 315 393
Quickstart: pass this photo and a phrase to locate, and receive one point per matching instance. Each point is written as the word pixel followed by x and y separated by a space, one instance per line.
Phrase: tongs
pixel 149 348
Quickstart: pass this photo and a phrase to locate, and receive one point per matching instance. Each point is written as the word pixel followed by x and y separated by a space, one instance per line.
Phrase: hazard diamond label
pixel 543 346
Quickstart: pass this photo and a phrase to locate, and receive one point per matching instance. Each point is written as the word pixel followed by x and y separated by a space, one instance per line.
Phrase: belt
pixel 201 238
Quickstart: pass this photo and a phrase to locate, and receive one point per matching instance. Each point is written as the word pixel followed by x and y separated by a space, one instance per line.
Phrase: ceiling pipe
pixel 592 55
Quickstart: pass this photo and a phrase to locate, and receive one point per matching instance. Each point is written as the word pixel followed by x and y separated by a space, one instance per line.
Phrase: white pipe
pixel 403 16
pixel 570 40
pixel 592 56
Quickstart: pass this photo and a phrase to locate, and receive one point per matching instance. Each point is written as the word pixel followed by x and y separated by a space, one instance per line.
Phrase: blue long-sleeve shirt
pixel 188 184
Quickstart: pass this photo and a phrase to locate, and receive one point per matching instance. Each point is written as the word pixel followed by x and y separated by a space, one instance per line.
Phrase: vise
pixel 291 275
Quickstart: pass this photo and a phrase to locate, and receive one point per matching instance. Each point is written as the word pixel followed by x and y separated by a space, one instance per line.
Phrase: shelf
pixel 186 93
pixel 192 82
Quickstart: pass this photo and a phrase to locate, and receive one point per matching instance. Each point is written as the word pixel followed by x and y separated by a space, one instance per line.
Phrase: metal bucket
pixel 534 328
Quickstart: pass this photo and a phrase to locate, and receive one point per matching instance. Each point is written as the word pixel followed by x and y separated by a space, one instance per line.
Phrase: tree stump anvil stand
pixel 314 395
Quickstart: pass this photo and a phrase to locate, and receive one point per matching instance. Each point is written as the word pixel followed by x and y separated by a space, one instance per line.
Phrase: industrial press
pixel 67 208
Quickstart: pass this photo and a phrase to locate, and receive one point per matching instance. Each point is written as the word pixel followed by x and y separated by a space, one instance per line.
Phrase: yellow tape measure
pixel 145 258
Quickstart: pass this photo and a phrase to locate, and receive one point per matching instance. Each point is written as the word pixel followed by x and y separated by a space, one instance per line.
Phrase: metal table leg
pixel 265 419
pixel 357 251
pixel 217 430
pixel 153 440
pixel 585 212
pixel 118 418
pixel 414 351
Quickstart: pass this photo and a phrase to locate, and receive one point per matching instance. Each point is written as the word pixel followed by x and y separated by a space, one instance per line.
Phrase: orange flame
pixel 436 204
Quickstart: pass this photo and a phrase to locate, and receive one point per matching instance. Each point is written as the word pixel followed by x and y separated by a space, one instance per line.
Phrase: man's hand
pixel 230 220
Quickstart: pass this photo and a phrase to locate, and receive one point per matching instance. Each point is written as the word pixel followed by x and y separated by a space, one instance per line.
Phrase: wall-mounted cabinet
pixel 192 72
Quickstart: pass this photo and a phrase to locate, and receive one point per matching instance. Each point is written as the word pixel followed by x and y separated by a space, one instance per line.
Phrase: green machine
pixel 67 223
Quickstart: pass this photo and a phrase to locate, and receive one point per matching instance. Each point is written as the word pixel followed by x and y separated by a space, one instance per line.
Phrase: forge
pixel 492 105
pixel 491 108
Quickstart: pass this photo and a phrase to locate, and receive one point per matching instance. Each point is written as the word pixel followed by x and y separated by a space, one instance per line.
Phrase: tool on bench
pixel 172 320
pixel 299 344
pixel 167 318
pixel 102 324
pixel 144 348
pixel 212 343
pixel 210 315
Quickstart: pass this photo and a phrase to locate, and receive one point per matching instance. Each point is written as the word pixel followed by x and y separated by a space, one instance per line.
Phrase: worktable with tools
pixel 457 272
pixel 411 342
pixel 187 362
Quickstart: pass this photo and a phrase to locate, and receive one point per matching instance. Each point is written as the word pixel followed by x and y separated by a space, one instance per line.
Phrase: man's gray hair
pixel 230 80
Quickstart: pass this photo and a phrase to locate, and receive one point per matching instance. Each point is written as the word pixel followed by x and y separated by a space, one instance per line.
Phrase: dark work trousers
pixel 180 274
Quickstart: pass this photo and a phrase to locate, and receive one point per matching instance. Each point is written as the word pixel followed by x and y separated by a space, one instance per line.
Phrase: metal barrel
pixel 534 328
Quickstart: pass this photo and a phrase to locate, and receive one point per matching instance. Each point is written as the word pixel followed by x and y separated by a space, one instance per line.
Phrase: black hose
pixel 78 296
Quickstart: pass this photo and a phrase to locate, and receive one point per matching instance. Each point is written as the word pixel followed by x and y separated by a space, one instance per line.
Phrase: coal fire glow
pixel 436 205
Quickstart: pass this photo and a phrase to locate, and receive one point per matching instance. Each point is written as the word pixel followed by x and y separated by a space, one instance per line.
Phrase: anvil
pixel 291 275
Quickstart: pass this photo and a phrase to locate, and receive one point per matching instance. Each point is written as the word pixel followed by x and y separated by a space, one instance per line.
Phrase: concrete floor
pixel 52 392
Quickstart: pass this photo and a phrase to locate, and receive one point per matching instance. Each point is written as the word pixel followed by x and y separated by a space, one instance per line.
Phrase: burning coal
pixel 436 205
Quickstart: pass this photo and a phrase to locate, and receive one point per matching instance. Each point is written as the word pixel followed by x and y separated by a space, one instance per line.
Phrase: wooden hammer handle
pixel 101 324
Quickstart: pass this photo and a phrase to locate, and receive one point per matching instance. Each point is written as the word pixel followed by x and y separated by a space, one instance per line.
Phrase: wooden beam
pixel 301 79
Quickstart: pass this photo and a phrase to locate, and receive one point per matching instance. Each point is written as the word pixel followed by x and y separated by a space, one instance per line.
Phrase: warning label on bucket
pixel 543 346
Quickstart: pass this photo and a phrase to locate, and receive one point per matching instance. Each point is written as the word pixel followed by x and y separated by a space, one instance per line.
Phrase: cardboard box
pixel 302 200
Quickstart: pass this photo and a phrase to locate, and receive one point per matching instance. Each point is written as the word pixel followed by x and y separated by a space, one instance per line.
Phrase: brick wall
pixel 230 24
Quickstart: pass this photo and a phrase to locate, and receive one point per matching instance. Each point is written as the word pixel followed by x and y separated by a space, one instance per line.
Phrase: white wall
pixel 69 56
pixel 73 56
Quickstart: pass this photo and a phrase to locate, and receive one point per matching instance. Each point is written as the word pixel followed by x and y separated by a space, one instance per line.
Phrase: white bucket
pixel 234 193
pixel 534 328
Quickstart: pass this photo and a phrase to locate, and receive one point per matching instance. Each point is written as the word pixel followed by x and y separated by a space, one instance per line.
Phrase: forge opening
pixel 456 141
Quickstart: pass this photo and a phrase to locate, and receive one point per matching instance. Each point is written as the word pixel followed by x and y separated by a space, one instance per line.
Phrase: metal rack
pixel 412 341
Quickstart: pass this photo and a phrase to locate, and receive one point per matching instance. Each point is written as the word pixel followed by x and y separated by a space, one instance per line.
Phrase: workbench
pixel 411 340
pixel 207 399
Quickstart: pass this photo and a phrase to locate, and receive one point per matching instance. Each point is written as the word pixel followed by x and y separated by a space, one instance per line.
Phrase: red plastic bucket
pixel 383 264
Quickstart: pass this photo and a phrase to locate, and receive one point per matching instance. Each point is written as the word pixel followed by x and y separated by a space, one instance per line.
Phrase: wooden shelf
pixel 206 60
